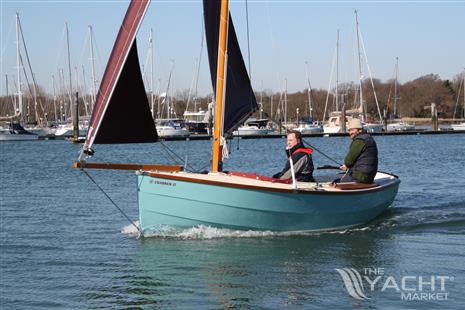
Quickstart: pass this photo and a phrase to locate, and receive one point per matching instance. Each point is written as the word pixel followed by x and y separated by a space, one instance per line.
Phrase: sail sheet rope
pixel 328 157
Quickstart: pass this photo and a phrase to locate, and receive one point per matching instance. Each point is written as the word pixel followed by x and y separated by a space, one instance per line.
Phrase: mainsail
pixel 240 100
pixel 121 113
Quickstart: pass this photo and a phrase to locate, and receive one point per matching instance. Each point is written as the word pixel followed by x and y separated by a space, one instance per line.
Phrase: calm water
pixel 64 246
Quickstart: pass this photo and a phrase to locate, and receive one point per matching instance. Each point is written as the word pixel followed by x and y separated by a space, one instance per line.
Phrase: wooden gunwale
pixel 318 191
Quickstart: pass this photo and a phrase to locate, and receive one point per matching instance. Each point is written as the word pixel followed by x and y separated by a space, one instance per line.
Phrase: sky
pixel 287 39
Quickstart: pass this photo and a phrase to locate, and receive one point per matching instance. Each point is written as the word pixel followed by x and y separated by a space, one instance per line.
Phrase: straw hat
pixel 355 123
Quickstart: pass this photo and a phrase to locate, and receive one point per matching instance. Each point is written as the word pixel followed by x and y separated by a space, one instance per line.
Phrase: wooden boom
pixel 114 166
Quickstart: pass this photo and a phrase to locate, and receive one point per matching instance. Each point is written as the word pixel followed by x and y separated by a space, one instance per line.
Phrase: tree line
pixel 413 100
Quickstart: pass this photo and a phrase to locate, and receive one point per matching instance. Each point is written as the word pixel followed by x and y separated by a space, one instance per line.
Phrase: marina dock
pixel 283 135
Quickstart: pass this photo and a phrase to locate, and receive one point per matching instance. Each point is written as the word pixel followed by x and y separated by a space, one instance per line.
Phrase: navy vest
pixel 367 162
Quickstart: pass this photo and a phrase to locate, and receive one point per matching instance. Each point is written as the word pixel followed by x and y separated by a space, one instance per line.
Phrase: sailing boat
pixel 397 125
pixel 367 126
pixel 313 127
pixel 16 131
pixel 460 126
pixel 337 119
pixel 169 196
pixel 169 126
pixel 66 129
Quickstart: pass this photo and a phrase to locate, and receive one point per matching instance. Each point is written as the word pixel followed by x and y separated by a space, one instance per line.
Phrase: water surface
pixel 65 246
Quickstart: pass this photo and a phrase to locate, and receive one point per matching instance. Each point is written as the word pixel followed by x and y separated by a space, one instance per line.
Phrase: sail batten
pixel 121 112
pixel 240 101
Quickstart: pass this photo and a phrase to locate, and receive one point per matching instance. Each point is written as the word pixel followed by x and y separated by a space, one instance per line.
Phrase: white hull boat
pixel 16 133
pixel 309 129
pixel 66 130
pixel 42 131
pixel 169 131
pixel 17 137
pixel 373 127
pixel 400 126
pixel 460 126
pixel 250 131
pixel 332 129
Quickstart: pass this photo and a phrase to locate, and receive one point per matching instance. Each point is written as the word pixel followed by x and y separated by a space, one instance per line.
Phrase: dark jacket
pixel 362 158
pixel 303 164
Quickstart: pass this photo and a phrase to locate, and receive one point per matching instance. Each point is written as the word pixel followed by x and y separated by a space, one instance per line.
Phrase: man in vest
pixel 362 159
pixel 301 159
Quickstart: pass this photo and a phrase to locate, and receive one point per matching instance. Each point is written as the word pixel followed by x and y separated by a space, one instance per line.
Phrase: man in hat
pixel 362 159
pixel 301 159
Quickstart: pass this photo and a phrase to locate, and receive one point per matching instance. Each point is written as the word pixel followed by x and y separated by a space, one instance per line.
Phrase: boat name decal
pixel 162 183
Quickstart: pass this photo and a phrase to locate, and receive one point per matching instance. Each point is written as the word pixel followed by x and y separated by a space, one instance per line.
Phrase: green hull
pixel 186 204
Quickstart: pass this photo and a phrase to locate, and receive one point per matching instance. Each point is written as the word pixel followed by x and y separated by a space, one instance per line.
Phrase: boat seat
pixel 353 185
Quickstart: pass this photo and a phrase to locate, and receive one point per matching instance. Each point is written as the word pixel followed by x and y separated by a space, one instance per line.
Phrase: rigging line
pixel 4 47
pixel 203 168
pixel 177 156
pixel 83 50
pixel 329 84
pixel 195 76
pixel 371 77
pixel 200 61
pixel 169 152
pixel 27 54
pixel 308 144
pixel 111 200
pixel 61 48
pixel 328 157
pixel 458 97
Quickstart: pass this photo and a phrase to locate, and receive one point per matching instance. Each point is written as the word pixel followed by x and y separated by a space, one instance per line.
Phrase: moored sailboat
pixel 169 196
pixel 460 126
pixel 397 125
pixel 16 131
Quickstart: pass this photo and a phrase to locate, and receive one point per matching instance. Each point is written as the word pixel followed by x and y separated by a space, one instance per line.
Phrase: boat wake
pixel 198 232
pixel 204 232
pixel 449 217
pixel 131 230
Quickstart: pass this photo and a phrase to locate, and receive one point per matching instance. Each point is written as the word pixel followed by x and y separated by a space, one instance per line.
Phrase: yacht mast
pixel 362 108
pixel 152 99
pixel 198 70
pixel 309 90
pixel 54 99
pixel 18 67
pixel 337 70
pixel 285 101
pixel 69 71
pixel 261 101
pixel 220 86
pixel 395 87
pixel 92 59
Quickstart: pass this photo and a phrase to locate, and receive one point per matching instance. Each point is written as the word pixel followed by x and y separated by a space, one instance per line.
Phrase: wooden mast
pixel 220 86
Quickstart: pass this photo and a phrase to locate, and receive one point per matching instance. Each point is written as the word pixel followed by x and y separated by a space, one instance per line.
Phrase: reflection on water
pixel 270 272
